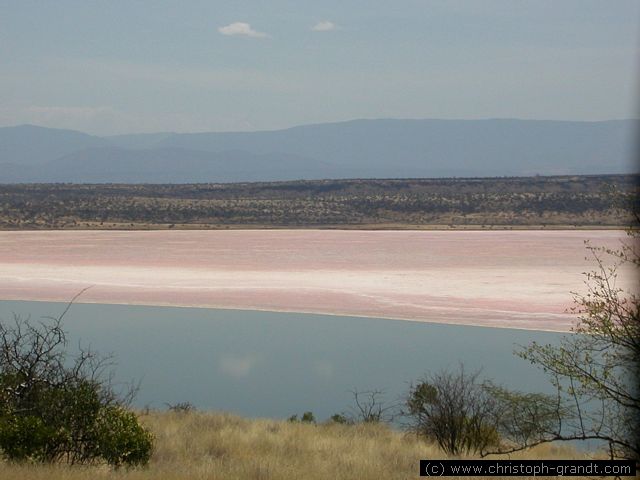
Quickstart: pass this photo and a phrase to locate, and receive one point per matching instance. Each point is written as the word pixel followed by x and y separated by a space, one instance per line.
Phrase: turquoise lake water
pixel 267 364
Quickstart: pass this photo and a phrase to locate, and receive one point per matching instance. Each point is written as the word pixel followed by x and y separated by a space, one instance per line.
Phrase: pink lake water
pixel 516 279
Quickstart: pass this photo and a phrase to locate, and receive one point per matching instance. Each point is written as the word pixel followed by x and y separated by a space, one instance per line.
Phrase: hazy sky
pixel 114 66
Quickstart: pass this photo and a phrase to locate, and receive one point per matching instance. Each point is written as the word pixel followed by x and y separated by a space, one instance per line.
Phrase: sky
pixel 113 67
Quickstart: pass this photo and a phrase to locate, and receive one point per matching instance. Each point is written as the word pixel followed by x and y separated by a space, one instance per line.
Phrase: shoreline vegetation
pixel 501 203
pixel 198 444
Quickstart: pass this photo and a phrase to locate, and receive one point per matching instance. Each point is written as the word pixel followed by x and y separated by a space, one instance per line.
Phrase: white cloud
pixel 324 369
pixel 235 366
pixel 324 26
pixel 241 28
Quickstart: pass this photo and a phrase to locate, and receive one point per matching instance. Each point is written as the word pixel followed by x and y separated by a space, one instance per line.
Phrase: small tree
pixel 520 418
pixel 57 408
pixel 454 410
pixel 370 407
pixel 595 370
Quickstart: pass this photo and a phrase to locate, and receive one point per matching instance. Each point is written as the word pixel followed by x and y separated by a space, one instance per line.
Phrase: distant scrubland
pixel 509 202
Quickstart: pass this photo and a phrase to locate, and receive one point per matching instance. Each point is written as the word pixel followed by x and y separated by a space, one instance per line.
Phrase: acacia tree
pixel 595 369
pixel 455 410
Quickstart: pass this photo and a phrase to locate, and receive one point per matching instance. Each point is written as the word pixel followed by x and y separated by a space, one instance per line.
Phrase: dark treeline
pixel 600 200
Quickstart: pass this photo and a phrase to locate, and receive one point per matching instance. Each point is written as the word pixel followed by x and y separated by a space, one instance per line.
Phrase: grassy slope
pixel 207 446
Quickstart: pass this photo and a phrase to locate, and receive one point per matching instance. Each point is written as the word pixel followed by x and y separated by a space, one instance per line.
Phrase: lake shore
pixel 136 226
pixel 513 279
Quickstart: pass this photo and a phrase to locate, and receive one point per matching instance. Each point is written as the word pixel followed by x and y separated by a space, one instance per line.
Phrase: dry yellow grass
pixel 221 446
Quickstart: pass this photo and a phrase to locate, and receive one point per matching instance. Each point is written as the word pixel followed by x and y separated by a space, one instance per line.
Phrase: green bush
pixel 120 438
pixel 27 437
pixel 307 417
pixel 59 409
pixel 340 418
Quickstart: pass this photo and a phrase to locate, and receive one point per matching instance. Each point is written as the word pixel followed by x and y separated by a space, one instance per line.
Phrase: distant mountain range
pixel 354 149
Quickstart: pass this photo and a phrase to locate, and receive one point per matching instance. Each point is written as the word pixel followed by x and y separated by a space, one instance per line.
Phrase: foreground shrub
pixel 23 437
pixel 54 408
pixel 121 439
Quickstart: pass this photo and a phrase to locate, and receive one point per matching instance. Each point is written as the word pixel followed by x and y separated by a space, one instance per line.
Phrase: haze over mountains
pixel 354 149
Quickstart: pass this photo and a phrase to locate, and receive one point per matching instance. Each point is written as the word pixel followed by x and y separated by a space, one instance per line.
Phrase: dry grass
pixel 220 446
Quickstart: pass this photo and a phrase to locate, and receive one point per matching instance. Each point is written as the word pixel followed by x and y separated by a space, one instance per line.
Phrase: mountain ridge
pixel 362 148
